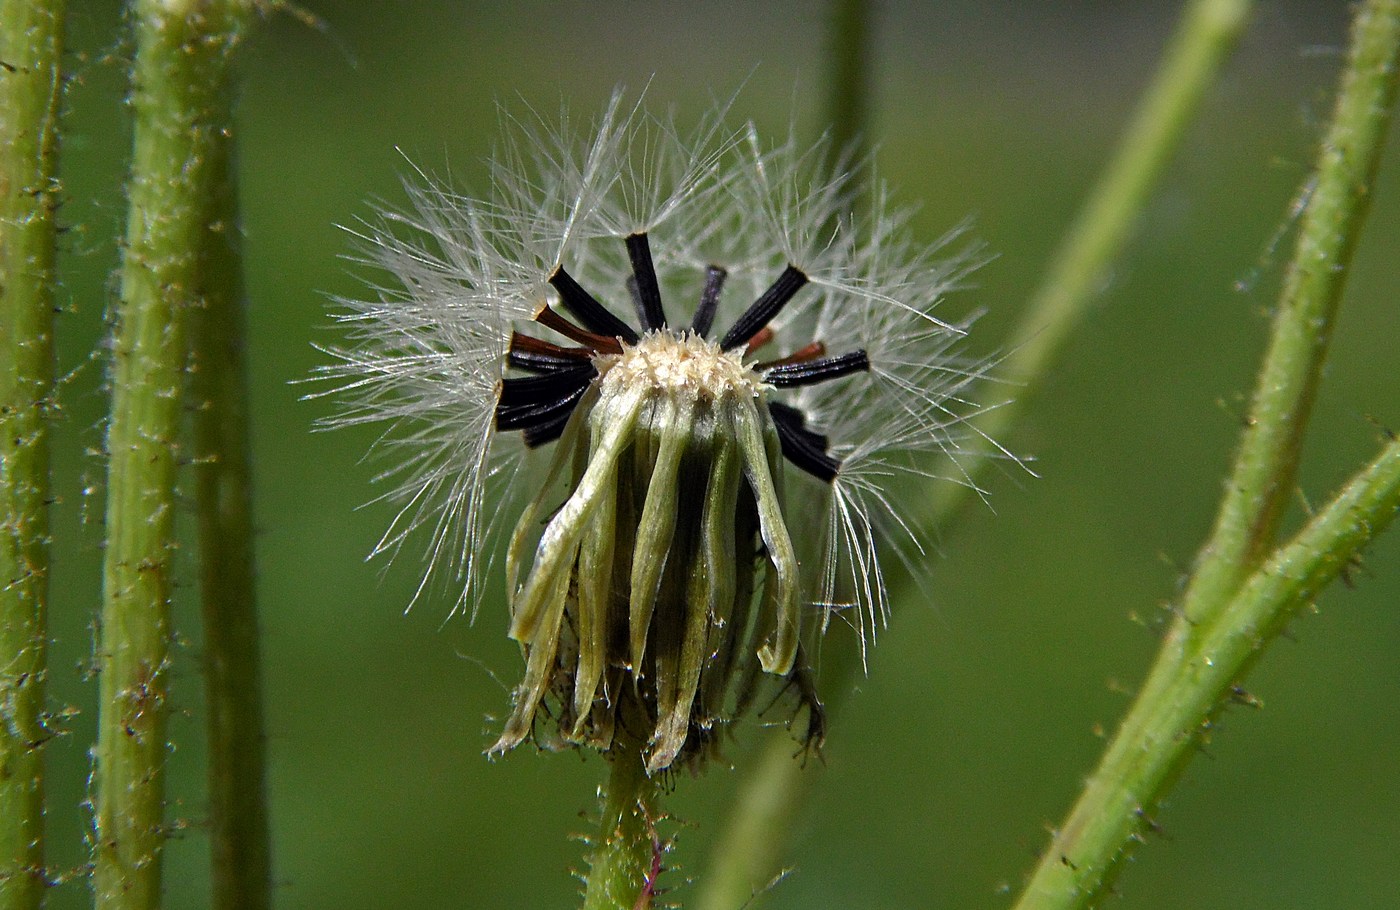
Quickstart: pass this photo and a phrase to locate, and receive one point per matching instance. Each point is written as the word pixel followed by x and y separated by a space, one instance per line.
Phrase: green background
pixel 978 718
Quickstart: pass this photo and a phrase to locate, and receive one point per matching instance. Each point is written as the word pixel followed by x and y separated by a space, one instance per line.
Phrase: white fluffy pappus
pixel 457 279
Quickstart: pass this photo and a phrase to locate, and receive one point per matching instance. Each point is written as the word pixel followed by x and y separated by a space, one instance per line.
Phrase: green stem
pixel 848 79
pixel 1194 678
pixel 626 858
pixel 749 852
pixel 1234 605
pixel 237 792
pixel 1262 479
pixel 180 99
pixel 31 37
pixel 1209 29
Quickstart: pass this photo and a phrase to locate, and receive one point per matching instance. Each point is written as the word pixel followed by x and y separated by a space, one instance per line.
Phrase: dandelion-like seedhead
pixel 694 483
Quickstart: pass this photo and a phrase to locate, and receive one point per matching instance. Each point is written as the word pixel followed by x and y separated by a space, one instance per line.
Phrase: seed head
pixel 717 472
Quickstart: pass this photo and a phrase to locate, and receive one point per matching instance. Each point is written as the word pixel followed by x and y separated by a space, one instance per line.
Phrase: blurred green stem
pixel 1209 29
pixel 31 40
pixel 180 98
pixel 1207 33
pixel 1238 600
pixel 626 857
pixel 848 76
pixel 233 679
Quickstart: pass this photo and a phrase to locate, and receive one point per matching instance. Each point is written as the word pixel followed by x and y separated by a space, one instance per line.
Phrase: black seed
pixel 535 403
pixel 540 361
pixel 636 297
pixel 648 294
pixel 516 392
pixel 764 308
pixel 594 316
pixel 709 300
pixel 801 446
pixel 813 371
pixel 538 413
pixel 549 430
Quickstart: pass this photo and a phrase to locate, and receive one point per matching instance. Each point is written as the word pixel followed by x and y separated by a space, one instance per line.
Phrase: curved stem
pixel 750 849
pixel 31 37
pixel 1207 33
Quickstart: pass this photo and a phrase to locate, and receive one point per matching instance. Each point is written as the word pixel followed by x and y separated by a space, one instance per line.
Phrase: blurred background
pixel 987 699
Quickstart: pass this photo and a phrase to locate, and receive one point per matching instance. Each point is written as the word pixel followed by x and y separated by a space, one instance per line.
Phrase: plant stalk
pixel 848 77
pixel 626 858
pixel 1239 600
pixel 180 98
pixel 1195 677
pixel 31 42
pixel 238 822
pixel 1262 479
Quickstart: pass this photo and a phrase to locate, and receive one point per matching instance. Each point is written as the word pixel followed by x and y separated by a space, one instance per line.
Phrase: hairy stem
pixel 626 858
pixel 237 792
pixel 1209 29
pixel 1262 479
pixel 1195 677
pixel 180 99
pixel 1241 598
pixel 31 37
